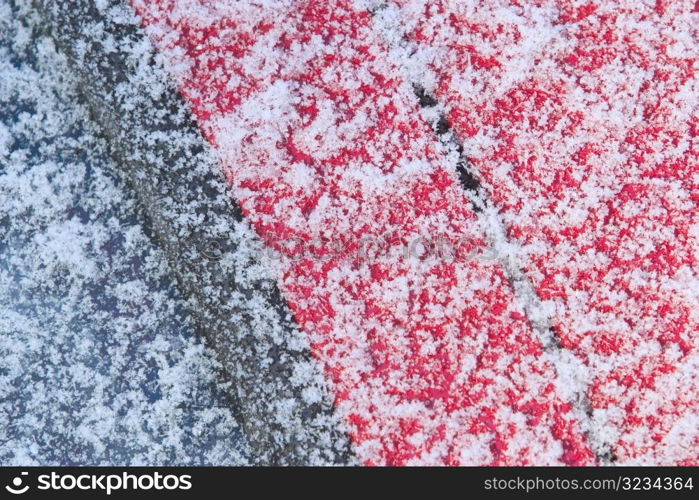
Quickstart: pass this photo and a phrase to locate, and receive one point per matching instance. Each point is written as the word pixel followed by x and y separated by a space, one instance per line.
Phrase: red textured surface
pixel 430 360
pixel 588 144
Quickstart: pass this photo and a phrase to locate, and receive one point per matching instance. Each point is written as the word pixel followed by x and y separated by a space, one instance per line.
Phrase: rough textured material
pixel 431 359
pixel 99 362
pixel 580 121
pixel 482 216
pixel 219 265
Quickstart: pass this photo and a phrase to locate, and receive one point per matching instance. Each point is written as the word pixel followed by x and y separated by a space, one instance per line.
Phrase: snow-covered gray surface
pixel 100 363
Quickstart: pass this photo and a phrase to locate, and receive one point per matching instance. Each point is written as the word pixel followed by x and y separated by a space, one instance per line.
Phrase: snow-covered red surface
pixel 580 118
pixel 580 121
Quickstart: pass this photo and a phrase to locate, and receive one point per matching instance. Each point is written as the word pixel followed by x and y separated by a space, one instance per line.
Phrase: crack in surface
pixel 388 23
pixel 563 359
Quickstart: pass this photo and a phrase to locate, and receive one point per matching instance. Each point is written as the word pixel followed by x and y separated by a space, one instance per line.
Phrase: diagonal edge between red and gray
pixel 215 258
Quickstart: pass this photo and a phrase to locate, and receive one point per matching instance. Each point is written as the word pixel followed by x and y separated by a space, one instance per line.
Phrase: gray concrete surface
pixel 100 362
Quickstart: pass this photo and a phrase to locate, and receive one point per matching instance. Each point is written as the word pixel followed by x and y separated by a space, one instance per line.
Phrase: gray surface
pixel 100 364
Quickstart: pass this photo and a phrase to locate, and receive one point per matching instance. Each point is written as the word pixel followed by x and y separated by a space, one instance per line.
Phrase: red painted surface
pixel 587 142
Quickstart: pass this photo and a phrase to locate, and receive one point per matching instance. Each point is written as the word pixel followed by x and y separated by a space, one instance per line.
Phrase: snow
pixel 100 362
pixel 553 142
pixel 220 266
pixel 393 329
pixel 571 114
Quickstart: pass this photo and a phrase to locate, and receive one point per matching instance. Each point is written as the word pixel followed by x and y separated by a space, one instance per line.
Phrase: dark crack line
pixel 517 276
